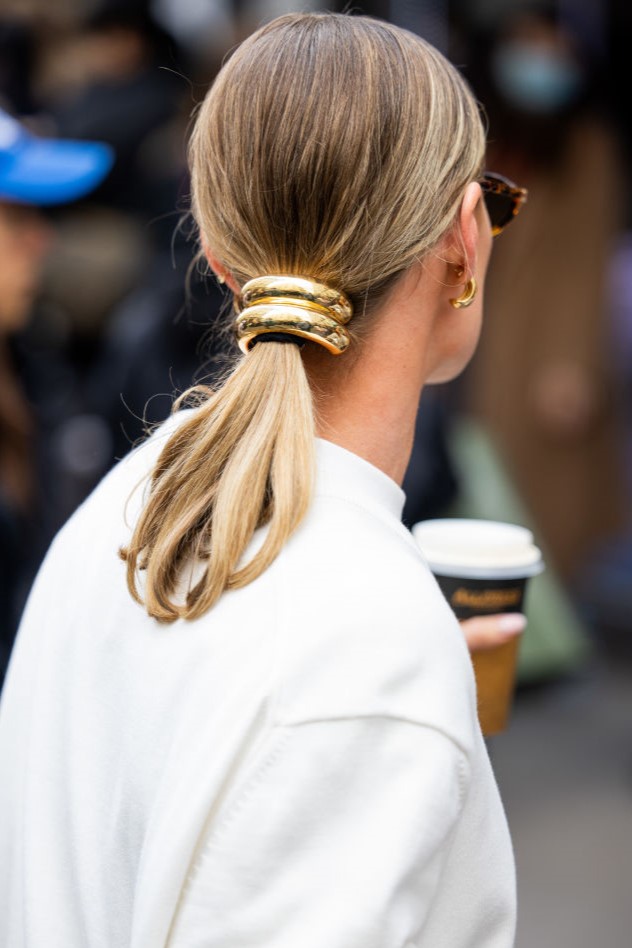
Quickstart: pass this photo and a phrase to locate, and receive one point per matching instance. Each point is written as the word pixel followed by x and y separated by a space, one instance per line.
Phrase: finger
pixel 483 632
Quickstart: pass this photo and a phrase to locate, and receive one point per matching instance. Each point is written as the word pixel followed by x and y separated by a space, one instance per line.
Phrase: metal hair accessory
pixel 293 306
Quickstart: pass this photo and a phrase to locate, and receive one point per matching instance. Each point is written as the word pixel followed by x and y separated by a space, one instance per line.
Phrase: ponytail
pixel 243 459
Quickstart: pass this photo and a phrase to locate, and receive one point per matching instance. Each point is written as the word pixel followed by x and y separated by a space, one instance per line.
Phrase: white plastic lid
pixel 478 549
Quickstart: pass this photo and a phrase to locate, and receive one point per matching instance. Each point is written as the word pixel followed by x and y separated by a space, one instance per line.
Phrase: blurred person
pixel 257 724
pixel 431 484
pixel 118 82
pixel 157 343
pixel 23 241
pixel 17 56
pixel 33 172
pixel 542 380
pixel 603 585
pixel 114 78
pixel 205 30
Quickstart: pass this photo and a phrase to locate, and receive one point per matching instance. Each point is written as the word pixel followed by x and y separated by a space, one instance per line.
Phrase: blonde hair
pixel 333 147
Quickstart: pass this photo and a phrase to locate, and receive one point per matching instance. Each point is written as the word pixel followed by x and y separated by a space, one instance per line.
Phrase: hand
pixel 483 632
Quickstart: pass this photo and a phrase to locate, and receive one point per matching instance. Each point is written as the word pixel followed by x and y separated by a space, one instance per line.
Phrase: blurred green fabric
pixel 556 641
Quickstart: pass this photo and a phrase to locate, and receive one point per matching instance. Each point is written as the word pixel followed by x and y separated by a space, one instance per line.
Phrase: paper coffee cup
pixel 482 567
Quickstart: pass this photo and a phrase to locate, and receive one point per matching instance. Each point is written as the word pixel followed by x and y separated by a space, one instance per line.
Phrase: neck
pixel 379 427
pixel 369 406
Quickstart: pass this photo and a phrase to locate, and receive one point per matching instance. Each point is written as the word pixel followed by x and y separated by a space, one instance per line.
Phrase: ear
pixel 220 271
pixel 465 233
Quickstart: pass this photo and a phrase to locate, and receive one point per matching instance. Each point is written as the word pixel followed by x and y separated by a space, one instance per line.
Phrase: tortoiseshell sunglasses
pixel 503 199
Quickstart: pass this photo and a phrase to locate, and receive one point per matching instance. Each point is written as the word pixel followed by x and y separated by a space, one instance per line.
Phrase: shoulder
pixel 366 629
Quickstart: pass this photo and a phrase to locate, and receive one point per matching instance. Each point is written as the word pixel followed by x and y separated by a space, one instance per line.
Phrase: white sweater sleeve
pixel 336 839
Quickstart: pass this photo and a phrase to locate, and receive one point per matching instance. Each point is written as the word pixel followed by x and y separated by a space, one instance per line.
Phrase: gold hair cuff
pixel 296 306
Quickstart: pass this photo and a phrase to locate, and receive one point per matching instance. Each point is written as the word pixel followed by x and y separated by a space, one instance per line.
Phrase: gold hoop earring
pixel 467 296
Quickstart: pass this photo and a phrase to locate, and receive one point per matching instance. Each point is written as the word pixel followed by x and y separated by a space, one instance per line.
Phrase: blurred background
pixel 105 316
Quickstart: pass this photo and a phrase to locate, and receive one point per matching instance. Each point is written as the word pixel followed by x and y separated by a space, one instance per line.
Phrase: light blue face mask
pixel 534 79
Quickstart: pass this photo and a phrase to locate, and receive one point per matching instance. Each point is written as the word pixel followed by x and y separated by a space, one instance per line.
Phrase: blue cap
pixel 47 170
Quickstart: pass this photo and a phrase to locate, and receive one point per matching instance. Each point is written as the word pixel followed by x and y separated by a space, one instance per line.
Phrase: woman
pixel 547 343
pixel 273 740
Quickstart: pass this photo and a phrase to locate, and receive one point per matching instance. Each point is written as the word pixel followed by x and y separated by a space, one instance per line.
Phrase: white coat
pixel 302 767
